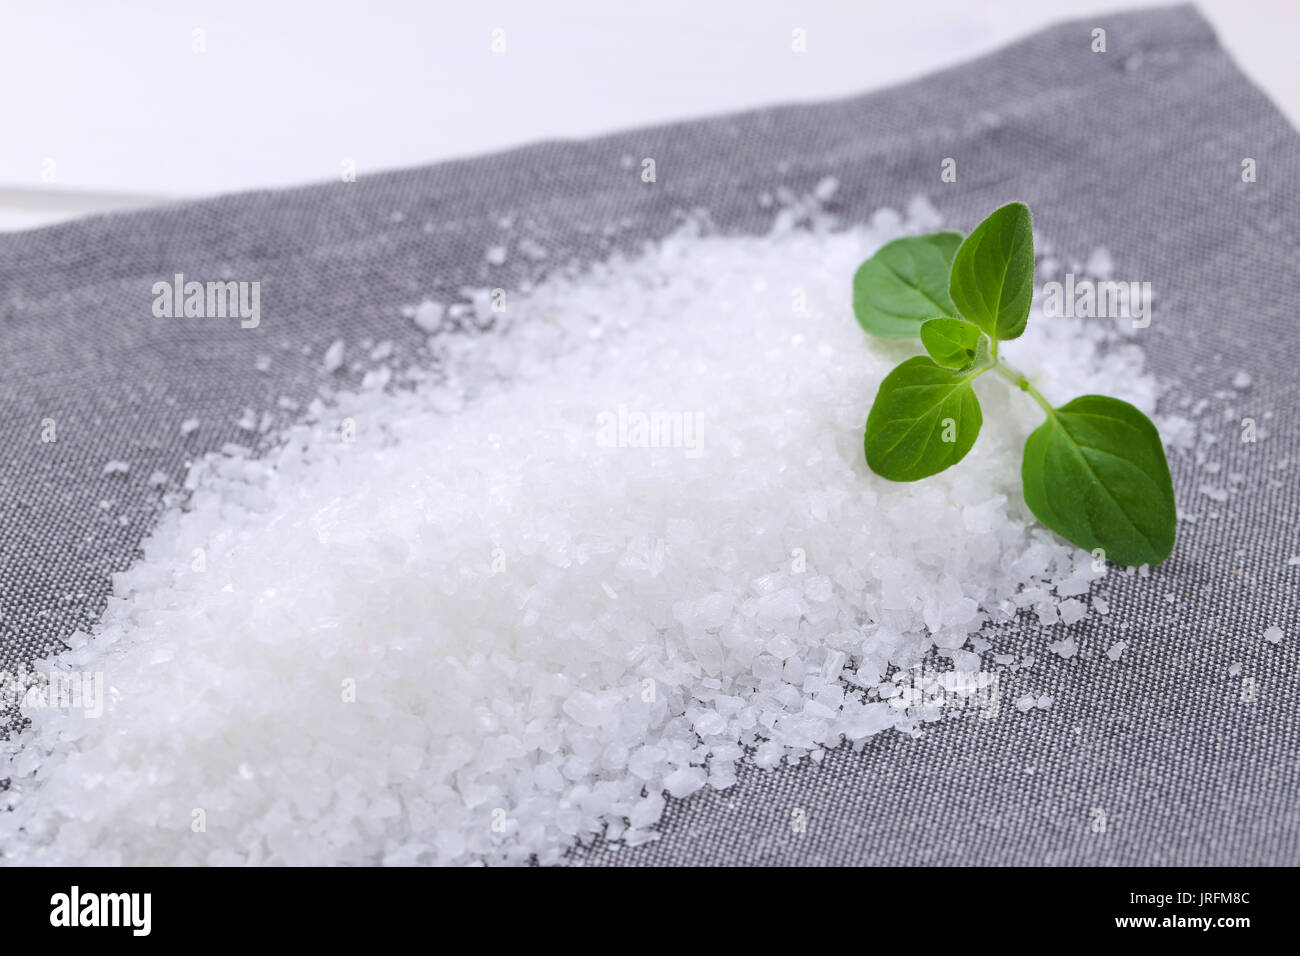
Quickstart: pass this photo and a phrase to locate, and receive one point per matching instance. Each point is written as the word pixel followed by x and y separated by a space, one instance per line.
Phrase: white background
pixel 128 114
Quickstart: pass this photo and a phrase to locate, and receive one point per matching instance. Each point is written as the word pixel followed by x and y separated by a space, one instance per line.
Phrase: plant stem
pixel 1018 379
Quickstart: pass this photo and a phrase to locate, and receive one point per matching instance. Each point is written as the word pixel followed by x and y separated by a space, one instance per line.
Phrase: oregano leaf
pixel 905 283
pixel 992 281
pixel 1095 473
pixel 925 418
pixel 952 343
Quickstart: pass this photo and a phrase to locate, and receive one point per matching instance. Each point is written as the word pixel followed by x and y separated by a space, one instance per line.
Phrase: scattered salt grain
pixel 428 315
pixel 1273 635
pixel 1072 611
pixel 532 249
pixel 825 190
pixel 1044 702
pixel 496 255
pixel 1066 648
pixel 333 359
pixel 1116 650
pixel 116 467
pixel 1234 670
pixel 1213 493
pixel 1241 380
pixel 189 426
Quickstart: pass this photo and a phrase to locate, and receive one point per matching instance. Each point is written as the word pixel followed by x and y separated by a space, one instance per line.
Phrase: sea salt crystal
pixel 1072 611
pixel 333 359
pixel 1115 650
pixel 1025 703
pixel 496 255
pixel 428 315
pixel 1044 702
pixel 685 781
pixel 965 661
pixel 532 249
pixel 1273 635
pixel 826 188
pixel 1066 648
pixel 1241 380
pixel 1234 670
pixel 116 467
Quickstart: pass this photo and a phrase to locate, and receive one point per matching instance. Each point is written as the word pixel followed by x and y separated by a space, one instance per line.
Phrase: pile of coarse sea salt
pixel 621 542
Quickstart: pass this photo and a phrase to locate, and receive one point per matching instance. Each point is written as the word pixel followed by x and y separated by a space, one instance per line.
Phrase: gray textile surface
pixel 1138 149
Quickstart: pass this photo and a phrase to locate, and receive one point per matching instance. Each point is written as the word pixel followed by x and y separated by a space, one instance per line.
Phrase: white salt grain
pixel 532 249
pixel 1273 635
pixel 1066 648
pixel 1115 650
pixel 116 467
pixel 1072 611
pixel 333 359
pixel 428 315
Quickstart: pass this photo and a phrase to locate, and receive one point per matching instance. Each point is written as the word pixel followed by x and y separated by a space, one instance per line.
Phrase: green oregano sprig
pixel 1094 471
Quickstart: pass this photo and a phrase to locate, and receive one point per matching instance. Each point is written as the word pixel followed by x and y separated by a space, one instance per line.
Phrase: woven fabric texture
pixel 1139 149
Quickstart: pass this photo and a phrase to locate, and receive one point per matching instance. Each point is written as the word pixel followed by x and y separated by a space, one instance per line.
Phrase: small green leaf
pixel 924 419
pixel 992 279
pixel 952 343
pixel 904 284
pixel 1095 473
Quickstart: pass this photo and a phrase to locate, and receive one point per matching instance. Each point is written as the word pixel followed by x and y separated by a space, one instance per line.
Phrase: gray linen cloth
pixel 1139 148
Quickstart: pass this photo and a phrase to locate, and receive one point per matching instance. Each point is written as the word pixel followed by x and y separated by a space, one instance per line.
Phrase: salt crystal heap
pixel 495 624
